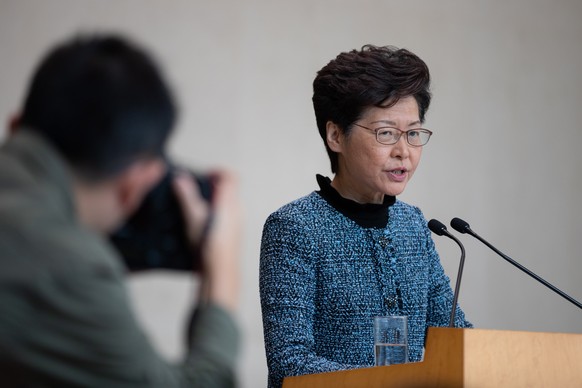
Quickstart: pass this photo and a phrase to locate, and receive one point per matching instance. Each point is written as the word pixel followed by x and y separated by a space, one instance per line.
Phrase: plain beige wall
pixel 506 114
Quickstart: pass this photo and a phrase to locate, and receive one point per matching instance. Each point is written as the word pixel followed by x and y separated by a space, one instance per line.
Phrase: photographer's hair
pixel 102 103
pixel 359 79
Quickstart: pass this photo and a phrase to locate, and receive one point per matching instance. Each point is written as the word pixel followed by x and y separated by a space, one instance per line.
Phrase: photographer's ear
pixel 13 123
pixel 136 181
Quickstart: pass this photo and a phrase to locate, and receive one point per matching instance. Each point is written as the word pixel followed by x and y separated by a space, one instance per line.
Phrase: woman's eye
pixel 385 132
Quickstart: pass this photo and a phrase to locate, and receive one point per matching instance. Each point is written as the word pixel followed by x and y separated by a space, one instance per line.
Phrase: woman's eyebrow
pixel 393 123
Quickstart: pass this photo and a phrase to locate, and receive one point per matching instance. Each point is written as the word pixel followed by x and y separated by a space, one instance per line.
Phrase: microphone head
pixel 437 227
pixel 460 226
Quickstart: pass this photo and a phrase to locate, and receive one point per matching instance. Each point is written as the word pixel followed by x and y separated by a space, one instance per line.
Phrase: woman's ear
pixel 334 136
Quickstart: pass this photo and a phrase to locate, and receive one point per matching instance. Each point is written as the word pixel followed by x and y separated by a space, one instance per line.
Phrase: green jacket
pixel 65 314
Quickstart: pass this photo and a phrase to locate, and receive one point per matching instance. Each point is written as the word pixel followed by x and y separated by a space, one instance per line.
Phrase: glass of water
pixel 391 340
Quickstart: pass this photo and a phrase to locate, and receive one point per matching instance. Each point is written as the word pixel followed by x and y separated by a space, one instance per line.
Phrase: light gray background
pixel 506 115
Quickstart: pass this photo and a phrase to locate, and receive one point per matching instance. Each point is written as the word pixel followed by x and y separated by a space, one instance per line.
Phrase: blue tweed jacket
pixel 323 278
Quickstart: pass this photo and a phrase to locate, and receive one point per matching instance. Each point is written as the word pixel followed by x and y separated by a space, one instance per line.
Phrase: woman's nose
pixel 400 149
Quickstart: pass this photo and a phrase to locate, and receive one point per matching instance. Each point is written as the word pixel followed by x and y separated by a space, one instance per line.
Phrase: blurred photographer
pixel 84 153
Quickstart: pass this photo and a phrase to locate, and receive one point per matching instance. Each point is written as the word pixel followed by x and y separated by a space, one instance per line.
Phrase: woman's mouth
pixel 398 174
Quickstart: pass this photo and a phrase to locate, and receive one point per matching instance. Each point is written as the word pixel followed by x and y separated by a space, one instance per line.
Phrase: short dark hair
pixel 102 103
pixel 358 79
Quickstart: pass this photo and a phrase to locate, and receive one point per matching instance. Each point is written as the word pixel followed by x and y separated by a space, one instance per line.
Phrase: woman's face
pixel 367 170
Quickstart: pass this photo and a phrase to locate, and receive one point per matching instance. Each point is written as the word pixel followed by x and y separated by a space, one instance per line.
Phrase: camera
pixel 154 236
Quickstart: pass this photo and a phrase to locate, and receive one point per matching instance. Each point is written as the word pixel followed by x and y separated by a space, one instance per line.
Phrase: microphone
pixel 463 227
pixel 438 228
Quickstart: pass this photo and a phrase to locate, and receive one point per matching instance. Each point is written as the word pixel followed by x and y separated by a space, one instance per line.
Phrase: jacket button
pixel 391 302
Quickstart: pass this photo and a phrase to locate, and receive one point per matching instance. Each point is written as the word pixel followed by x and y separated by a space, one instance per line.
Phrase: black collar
pixel 367 215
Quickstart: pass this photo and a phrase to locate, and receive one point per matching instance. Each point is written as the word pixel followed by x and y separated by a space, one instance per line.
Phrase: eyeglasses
pixel 388 135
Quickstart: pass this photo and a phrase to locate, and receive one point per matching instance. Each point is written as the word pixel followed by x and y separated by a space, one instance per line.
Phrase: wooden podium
pixel 473 358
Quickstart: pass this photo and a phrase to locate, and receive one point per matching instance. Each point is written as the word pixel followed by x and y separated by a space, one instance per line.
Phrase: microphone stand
pixel 463 227
pixel 458 283
pixel 438 228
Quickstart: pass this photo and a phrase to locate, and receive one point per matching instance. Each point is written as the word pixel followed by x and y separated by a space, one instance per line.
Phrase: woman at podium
pixel 349 251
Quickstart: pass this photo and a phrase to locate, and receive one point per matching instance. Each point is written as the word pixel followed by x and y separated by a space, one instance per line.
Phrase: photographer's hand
pixel 218 237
